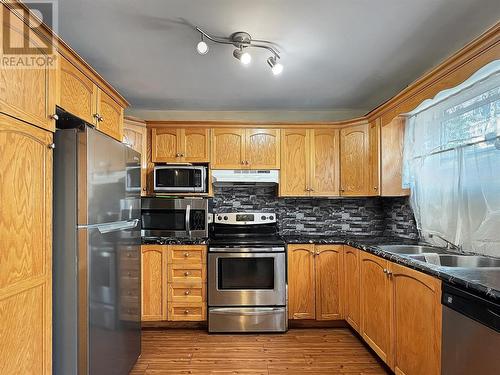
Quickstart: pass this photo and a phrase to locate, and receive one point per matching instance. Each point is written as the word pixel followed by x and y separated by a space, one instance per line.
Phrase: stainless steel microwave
pixel 180 179
pixel 180 218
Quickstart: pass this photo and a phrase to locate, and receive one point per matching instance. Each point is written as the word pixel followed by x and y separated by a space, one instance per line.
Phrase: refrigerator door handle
pixel 188 219
pixel 112 227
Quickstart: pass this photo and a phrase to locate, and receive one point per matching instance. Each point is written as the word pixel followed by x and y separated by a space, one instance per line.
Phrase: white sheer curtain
pixel 452 163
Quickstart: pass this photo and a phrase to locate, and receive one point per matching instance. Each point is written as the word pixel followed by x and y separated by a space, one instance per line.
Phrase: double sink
pixel 442 257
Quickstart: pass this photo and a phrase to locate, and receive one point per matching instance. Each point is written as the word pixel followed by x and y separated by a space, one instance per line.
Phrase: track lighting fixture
pixel 242 41
pixel 244 57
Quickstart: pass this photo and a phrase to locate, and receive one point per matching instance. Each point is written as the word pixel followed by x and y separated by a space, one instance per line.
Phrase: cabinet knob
pixel 317 253
pixel 342 190
pixel 51 145
pixel 187 292
pixel 243 162
pixel 186 312
pixel 186 273
pixel 54 117
pixel 246 162
pixel 375 188
pixel 182 155
pixel 177 155
pixel 186 255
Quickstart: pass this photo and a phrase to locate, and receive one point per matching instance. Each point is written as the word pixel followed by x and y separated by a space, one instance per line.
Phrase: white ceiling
pixel 343 54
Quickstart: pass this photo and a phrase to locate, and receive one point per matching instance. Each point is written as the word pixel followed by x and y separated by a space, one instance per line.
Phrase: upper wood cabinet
pixel 352 287
pixel 26 252
pixel 392 140
pixel 26 93
pixel 109 116
pixel 376 306
pixel 135 136
pixel 329 282
pixel 170 145
pixel 301 280
pixel 78 94
pixel 315 281
pixel 154 283
pixel 309 162
pixel 234 148
pixel 355 160
pixel 416 321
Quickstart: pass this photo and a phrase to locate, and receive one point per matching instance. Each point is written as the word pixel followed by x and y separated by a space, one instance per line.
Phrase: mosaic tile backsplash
pixel 372 216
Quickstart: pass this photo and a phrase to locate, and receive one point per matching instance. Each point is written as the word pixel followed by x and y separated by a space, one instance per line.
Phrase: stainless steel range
pixel 247 287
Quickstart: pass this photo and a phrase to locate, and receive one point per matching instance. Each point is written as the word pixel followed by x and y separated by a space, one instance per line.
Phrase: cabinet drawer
pixel 184 254
pixel 193 273
pixel 186 292
pixel 194 311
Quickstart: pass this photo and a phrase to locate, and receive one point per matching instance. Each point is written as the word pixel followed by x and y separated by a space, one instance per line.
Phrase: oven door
pixel 247 279
pixel 178 179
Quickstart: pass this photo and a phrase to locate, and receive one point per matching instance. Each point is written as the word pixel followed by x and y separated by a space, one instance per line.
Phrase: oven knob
pixel 219 217
pixel 225 217
pixel 271 217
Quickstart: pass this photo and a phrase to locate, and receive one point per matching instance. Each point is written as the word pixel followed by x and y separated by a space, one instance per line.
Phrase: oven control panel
pixel 245 218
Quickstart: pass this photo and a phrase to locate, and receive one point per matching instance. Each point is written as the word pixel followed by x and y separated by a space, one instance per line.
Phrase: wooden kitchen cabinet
pixel 234 148
pixel 309 162
pixel 26 253
pixel 27 94
pixel 154 283
pixel 416 321
pixel 135 136
pixel 109 116
pixel 301 282
pixel 376 306
pixel 352 289
pixel 392 141
pixel 329 281
pixel 170 145
pixel 315 281
pixel 355 160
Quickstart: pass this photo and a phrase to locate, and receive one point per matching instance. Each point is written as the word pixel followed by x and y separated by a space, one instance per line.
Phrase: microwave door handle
pixel 188 219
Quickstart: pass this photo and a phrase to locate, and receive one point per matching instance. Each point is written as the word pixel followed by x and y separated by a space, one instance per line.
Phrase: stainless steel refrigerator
pixel 96 254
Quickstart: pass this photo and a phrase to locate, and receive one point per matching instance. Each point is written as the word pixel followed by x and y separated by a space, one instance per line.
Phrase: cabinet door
pixel 301 290
pixel 392 139
pixel 354 160
pixel 417 322
pixel 262 149
pixel 78 94
pixel 165 145
pixel 110 120
pixel 195 145
pixel 25 93
pixel 376 306
pixel 228 149
pixel 26 250
pixel 329 282
pixel 352 287
pixel 325 166
pixel 374 167
pixel 154 283
pixel 295 162
pixel 135 135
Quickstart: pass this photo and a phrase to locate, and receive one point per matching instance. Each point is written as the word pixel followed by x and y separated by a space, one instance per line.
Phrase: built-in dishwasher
pixel 471 334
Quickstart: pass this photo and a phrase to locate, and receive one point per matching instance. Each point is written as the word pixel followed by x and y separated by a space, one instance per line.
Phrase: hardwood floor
pixel 300 351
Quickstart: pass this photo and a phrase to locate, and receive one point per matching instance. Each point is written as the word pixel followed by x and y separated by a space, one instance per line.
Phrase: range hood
pixel 245 176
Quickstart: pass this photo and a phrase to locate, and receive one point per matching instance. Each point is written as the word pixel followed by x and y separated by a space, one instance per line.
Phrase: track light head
pixel 276 67
pixel 202 47
pixel 244 57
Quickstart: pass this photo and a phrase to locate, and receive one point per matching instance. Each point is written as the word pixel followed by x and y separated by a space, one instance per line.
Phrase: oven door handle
pixel 260 311
pixel 188 219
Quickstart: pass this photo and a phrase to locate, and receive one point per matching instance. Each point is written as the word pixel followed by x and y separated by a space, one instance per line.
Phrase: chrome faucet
pixel 449 245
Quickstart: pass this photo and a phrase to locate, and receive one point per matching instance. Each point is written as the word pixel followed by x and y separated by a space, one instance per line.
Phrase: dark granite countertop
pixel 484 282
pixel 173 241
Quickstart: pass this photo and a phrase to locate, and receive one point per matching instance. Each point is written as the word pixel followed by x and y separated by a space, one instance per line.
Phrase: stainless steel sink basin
pixel 462 261
pixel 412 249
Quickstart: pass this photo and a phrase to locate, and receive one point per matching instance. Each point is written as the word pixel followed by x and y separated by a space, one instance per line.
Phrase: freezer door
pixel 102 170
pixel 114 297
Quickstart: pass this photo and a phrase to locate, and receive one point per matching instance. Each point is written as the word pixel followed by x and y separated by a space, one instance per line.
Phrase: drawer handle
pixel 186 312
pixel 186 255
pixel 187 292
pixel 187 273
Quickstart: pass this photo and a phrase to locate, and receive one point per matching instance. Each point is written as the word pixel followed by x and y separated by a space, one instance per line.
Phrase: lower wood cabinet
pixel 315 281
pixel 26 250
pixel 352 290
pixel 174 282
